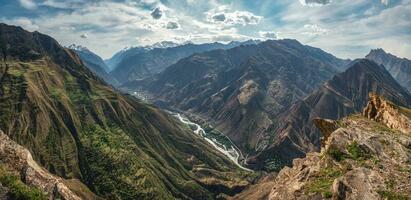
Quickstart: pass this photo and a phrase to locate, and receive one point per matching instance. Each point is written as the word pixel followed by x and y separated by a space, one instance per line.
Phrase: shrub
pixel 18 190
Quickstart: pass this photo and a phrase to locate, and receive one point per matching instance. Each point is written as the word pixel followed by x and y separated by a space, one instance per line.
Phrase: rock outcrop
pixel 20 159
pixel 363 158
pixel 387 113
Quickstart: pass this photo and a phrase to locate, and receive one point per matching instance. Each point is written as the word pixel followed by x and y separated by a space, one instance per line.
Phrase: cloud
pixel 313 3
pixel 222 15
pixel 84 35
pixel 61 4
pixel 157 13
pixel 268 34
pixel 28 4
pixel 23 22
pixel 385 2
pixel 173 25
pixel 314 30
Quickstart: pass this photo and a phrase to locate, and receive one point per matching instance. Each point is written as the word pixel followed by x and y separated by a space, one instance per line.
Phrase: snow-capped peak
pixel 163 44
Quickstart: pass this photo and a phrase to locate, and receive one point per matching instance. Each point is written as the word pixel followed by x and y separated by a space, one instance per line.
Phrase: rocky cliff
pixel 17 159
pixel 364 157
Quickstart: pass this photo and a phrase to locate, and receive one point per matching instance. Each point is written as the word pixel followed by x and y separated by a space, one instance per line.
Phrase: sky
pixel 345 28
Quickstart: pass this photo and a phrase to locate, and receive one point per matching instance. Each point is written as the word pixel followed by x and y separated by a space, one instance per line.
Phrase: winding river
pixel 229 150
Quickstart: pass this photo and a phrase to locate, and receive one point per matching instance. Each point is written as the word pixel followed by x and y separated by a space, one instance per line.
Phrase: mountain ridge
pixel 138 63
pixel 400 68
pixel 344 94
pixel 243 88
pixel 76 126
pixel 362 157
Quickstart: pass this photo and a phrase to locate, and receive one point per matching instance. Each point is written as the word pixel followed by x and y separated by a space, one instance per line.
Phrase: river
pixel 229 149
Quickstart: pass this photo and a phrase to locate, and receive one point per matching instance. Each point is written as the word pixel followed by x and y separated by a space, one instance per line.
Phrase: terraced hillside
pixel 78 127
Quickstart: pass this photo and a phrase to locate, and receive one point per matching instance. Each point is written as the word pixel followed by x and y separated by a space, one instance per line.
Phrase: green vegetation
pixel 390 195
pixel 17 189
pixel 120 149
pixel 356 153
pixel 274 164
pixel 78 97
pixel 55 93
pixel 323 181
pixel 354 150
pixel 336 154
pixel 110 149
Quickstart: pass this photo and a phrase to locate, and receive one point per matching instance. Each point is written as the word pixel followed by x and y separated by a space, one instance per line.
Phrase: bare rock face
pixel 364 157
pixel 327 127
pixel 387 113
pixel 20 159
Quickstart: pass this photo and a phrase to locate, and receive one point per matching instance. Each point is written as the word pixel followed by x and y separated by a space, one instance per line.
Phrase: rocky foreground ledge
pixel 21 177
pixel 364 156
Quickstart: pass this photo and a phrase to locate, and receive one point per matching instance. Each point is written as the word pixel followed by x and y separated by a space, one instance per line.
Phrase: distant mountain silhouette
pixel 400 68
pixel 142 62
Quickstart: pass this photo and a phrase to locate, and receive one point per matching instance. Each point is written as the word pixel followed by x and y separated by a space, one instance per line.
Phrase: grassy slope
pixel 77 127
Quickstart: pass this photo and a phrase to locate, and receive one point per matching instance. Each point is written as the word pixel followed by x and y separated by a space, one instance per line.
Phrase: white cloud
pixel 313 3
pixel 62 4
pixel 268 34
pixel 314 30
pixel 28 4
pixel 385 2
pixel 23 22
pixel 222 15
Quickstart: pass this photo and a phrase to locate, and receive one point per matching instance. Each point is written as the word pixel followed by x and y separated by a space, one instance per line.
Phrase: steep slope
pixel 242 90
pixel 344 94
pixel 400 68
pixel 17 161
pixel 363 157
pixel 77 127
pixel 138 63
pixel 94 63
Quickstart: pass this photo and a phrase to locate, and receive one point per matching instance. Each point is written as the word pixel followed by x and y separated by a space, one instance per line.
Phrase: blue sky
pixel 346 28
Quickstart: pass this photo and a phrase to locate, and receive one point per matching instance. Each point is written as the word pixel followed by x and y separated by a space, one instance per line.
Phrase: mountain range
pixel 346 93
pixel 242 90
pixel 80 129
pixel 141 62
pixel 264 97
pixel 70 128
pixel 127 51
